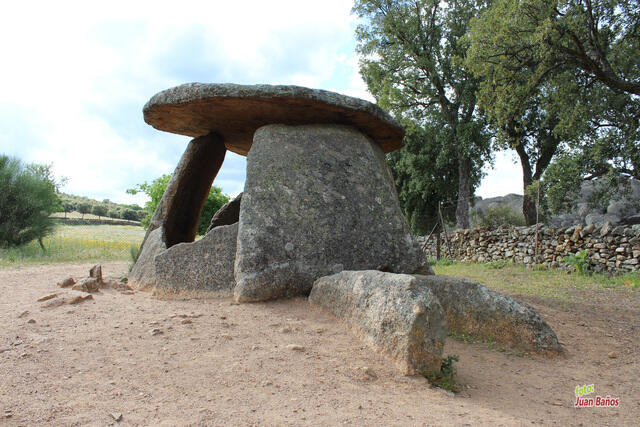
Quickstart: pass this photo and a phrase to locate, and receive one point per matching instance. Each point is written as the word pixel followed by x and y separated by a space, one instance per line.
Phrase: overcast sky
pixel 75 76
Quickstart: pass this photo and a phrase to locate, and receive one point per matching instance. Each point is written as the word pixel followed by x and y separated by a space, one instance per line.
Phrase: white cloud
pixel 76 74
pixel 504 178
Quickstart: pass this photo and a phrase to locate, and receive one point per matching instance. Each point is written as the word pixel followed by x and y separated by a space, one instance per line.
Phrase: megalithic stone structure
pixel 319 197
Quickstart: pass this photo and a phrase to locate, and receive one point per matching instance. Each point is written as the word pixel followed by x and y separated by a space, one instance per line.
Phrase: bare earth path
pixel 210 362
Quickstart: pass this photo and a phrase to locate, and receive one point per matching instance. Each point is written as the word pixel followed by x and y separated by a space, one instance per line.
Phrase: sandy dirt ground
pixel 139 360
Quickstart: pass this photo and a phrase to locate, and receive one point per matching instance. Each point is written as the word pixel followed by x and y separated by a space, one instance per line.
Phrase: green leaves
pixel 27 199
pixel 156 189
pixel 413 63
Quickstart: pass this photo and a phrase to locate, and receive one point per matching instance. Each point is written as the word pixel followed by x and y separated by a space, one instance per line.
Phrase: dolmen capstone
pixel 319 215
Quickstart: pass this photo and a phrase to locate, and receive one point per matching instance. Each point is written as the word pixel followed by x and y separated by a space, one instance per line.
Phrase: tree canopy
pixel 412 61
pixel 561 78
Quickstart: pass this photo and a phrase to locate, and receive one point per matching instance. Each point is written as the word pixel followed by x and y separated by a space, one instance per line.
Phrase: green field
pixel 77 243
pixel 78 215
pixel 550 284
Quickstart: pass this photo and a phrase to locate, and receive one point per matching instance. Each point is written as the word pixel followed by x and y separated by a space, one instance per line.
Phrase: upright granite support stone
pixel 143 273
pixel 178 213
pixel 390 312
pixel 183 199
pixel 203 265
pixel 318 199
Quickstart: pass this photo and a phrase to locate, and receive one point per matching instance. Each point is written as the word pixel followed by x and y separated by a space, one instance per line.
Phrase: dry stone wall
pixel 611 249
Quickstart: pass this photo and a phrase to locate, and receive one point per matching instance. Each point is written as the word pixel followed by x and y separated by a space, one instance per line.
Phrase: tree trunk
pixel 464 191
pixel 528 206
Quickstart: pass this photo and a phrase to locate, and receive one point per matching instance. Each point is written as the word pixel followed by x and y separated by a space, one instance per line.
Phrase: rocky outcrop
pixel 228 214
pixel 203 265
pixel 608 248
pixel 318 199
pixel 624 204
pixel 392 313
pixel 474 309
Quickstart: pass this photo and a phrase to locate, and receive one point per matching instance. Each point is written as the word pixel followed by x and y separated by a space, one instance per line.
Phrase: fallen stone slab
pixel 204 265
pixel 392 313
pixel 318 199
pixel 80 298
pixel 47 297
pixel 474 309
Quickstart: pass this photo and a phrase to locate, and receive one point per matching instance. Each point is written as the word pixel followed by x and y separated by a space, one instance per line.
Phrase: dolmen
pixel 319 216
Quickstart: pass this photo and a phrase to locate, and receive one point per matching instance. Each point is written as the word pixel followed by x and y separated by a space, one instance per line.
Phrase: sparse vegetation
pixel 446 378
pixel 552 284
pixel 496 216
pixel 579 261
pixel 87 243
pixel 134 252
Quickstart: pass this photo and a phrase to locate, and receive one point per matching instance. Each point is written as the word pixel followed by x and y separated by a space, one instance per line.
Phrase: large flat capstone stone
pixel 237 111
pixel 203 265
pixel 318 199
pixel 392 313
pixel 474 309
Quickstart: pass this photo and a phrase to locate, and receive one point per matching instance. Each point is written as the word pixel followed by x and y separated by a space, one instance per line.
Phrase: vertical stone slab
pixel 318 199
pixel 177 216
pixel 183 199
pixel 203 265
pixel 143 273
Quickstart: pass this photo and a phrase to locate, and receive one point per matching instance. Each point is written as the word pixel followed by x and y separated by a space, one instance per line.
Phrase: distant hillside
pixel 84 207
pixel 614 212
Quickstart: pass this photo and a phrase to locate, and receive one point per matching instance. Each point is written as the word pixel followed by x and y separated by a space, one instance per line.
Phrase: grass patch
pixel 446 378
pixel 546 283
pixel 79 243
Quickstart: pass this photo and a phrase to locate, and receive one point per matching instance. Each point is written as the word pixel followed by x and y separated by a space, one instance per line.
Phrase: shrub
pixel 579 261
pixel 446 377
pixel 499 215
pixel 27 199
pixel 130 215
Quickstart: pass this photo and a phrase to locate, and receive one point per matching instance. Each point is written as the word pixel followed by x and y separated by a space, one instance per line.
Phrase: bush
pixel 130 215
pixel 579 261
pixel 114 213
pixel 496 216
pixel 27 199
pixel 446 378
